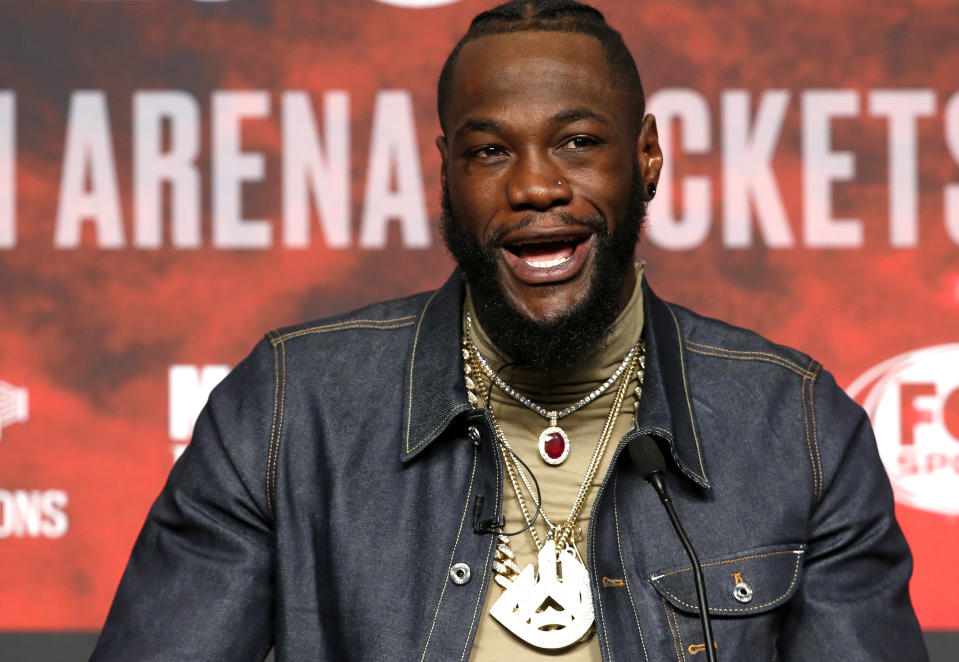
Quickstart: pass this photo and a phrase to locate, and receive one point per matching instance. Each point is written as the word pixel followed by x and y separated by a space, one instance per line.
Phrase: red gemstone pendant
pixel 553 445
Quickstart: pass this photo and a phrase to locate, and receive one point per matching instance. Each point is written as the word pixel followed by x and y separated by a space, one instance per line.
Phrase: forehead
pixel 532 72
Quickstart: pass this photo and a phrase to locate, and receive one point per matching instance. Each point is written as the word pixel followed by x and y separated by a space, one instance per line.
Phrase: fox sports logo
pixel 913 402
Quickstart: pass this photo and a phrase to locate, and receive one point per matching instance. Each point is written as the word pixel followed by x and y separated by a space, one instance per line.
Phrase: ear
pixel 443 147
pixel 648 152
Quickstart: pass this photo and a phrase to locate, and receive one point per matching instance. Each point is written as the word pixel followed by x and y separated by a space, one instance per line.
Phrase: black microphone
pixel 489 525
pixel 649 460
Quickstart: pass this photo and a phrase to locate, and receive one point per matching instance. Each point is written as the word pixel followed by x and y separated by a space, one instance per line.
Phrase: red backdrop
pixel 178 177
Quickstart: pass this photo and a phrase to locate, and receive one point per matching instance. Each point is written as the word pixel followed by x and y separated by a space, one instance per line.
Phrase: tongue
pixel 544 252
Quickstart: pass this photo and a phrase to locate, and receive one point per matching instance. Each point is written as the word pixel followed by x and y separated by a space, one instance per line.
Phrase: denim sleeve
pixel 199 582
pixel 853 601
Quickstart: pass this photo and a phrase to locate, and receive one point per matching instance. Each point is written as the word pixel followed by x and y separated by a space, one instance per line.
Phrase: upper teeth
pixel 548 263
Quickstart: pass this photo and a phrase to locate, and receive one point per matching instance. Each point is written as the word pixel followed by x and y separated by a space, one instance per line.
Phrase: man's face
pixel 540 169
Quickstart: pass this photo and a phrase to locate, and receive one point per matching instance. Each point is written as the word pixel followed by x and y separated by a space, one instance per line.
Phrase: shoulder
pixel 737 373
pixel 719 346
pixel 347 337
pixel 390 315
pixel 291 366
pixel 711 339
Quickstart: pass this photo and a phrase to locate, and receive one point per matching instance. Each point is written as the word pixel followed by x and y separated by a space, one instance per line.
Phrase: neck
pixel 558 386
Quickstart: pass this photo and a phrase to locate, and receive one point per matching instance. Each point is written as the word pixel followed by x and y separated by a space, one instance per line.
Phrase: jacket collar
pixel 435 388
pixel 666 408
pixel 436 392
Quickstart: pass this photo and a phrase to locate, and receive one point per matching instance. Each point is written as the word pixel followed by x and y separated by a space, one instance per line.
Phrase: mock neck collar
pixel 436 391
pixel 558 388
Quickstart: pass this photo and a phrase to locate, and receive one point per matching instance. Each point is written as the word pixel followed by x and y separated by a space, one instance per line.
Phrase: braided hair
pixel 549 16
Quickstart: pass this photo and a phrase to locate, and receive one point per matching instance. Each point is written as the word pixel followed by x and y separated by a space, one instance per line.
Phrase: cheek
pixel 608 194
pixel 607 182
pixel 474 201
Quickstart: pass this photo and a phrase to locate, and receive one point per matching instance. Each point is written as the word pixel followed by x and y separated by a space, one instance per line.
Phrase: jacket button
pixel 743 592
pixel 474 434
pixel 460 573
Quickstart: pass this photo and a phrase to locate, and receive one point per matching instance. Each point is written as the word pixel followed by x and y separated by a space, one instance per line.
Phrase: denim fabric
pixel 333 481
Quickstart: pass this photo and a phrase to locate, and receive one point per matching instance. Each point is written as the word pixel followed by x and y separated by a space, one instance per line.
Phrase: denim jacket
pixel 338 474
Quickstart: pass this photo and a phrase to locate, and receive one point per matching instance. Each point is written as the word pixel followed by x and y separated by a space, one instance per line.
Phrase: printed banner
pixel 179 177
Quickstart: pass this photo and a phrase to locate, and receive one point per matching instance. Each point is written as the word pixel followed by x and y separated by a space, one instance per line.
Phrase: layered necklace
pixel 554 443
pixel 549 606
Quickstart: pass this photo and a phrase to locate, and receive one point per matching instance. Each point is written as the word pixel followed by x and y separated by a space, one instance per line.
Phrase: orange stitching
pixel 449 417
pixel 347 324
pixel 739 558
pixel 416 339
pixel 446 578
pixel 815 431
pixel 812 460
pixel 742 610
pixel 276 399
pixel 751 352
pixel 725 355
pixel 591 541
pixel 805 420
pixel 279 426
pixel 625 579
pixel 669 624
pixel 679 634
pixel 486 566
pixel 591 544
pixel 748 354
pixel 689 405
pixel 492 544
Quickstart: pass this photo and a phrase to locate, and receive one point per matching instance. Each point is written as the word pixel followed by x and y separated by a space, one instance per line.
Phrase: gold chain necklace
pixel 514 470
pixel 561 577
pixel 554 442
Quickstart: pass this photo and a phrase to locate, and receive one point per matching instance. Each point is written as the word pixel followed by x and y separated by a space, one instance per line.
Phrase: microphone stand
pixel 656 480
pixel 652 465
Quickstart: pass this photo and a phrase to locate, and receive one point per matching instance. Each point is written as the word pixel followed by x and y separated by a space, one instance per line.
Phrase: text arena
pixel 171 174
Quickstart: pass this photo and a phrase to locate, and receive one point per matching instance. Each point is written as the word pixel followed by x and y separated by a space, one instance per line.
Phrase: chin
pixel 548 309
pixel 550 303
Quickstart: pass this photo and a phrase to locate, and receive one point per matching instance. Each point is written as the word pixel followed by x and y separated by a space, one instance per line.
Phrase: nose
pixel 537 184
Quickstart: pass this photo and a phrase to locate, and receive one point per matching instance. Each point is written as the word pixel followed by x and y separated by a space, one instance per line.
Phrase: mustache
pixel 594 223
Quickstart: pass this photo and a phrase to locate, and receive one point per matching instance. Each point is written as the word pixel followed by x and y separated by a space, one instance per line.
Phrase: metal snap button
pixel 474 434
pixel 742 592
pixel 460 573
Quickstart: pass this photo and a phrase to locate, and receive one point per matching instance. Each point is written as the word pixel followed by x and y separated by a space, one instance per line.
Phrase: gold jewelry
pixel 514 470
pixel 554 444
pixel 561 576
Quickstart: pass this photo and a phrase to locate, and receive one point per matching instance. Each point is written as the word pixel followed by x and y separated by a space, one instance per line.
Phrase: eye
pixel 579 143
pixel 486 152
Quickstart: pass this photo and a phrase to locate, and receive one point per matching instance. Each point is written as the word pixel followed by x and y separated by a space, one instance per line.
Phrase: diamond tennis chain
pixel 564 532
pixel 551 415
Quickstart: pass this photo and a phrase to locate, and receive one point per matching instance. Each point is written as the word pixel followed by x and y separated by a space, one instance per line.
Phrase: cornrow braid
pixel 549 16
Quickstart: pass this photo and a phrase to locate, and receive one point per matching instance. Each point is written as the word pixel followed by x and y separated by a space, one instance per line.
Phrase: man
pixel 445 477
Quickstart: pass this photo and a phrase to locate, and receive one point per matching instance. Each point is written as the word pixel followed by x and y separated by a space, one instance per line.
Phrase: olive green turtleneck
pixel 559 484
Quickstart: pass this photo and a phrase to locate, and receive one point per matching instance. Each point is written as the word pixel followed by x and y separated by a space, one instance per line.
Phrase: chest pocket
pixel 743 591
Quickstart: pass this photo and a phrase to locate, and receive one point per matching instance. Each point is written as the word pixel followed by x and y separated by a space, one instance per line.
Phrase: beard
pixel 567 340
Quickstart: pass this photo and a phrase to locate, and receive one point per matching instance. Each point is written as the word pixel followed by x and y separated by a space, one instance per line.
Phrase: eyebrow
pixel 568 116
pixel 479 125
pixel 575 114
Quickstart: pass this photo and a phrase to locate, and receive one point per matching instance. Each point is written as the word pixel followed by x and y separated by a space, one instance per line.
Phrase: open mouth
pixel 547 257
pixel 546 254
